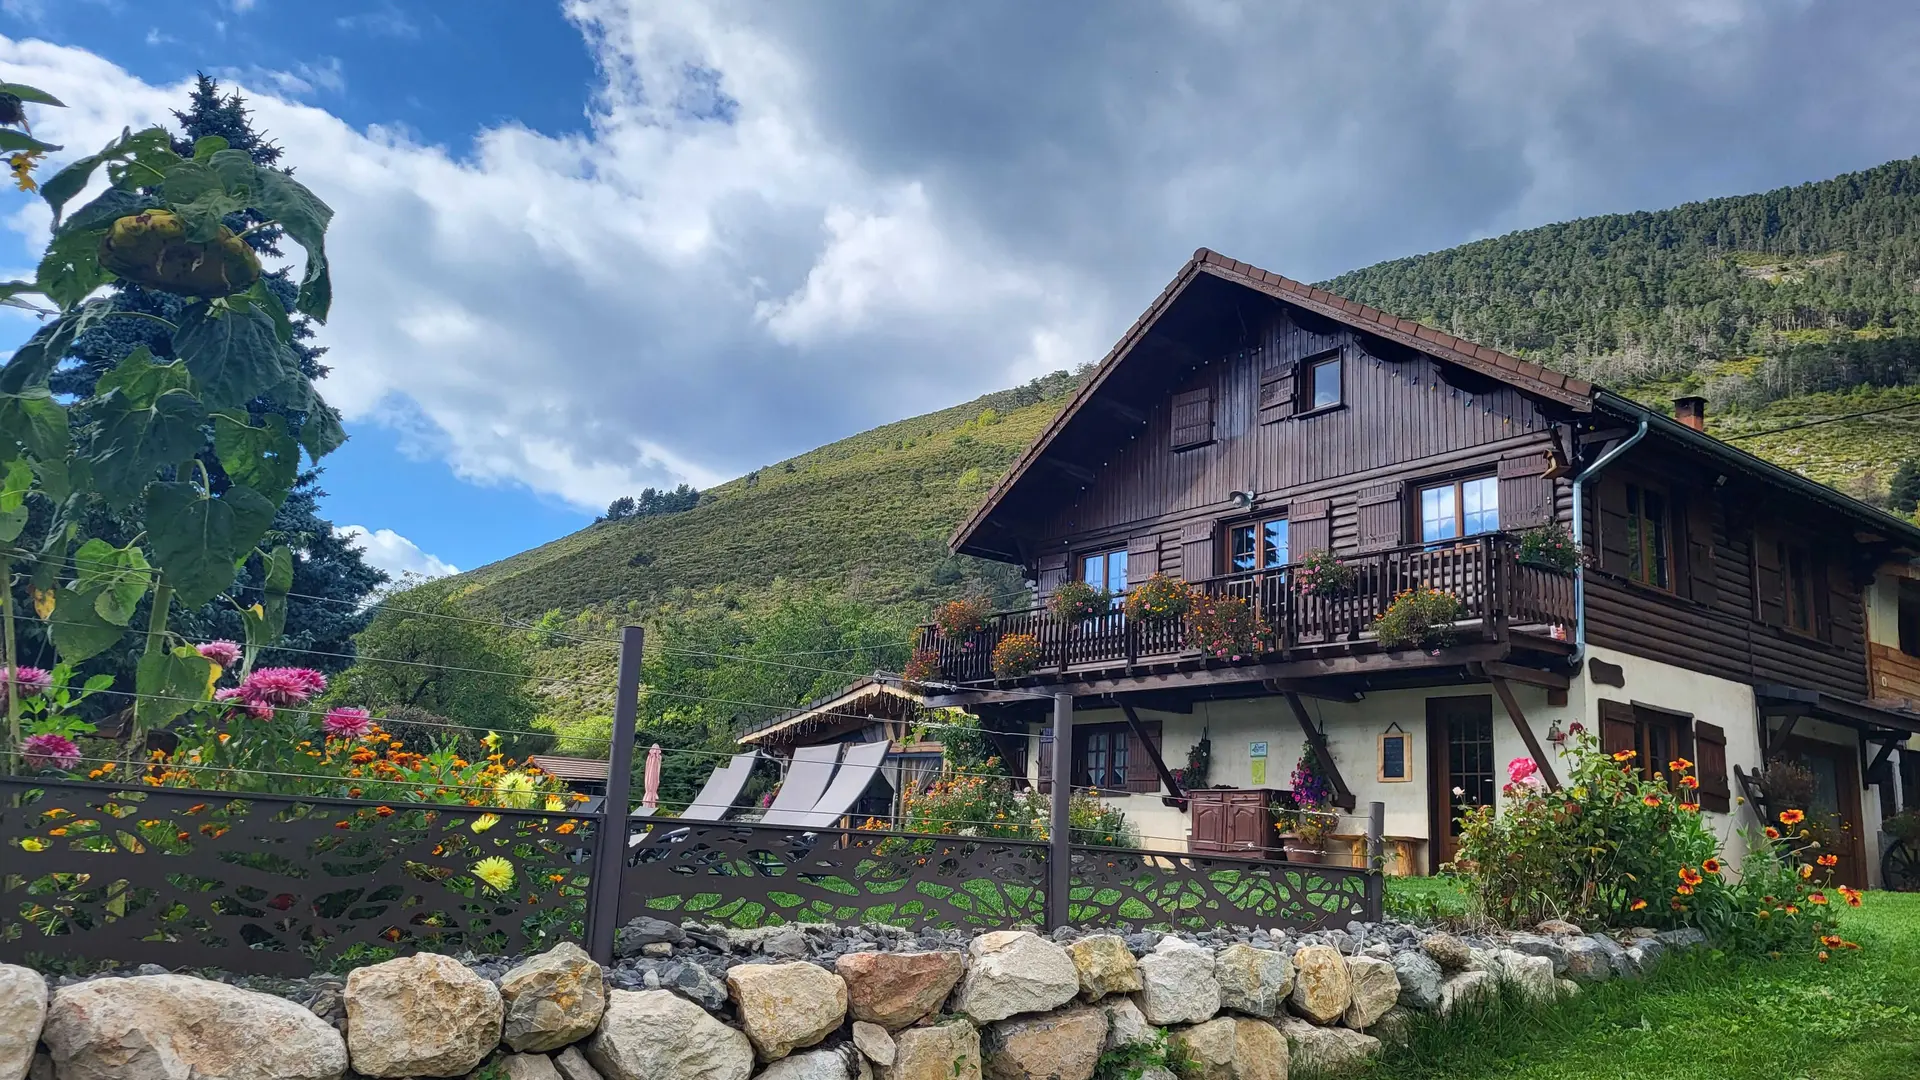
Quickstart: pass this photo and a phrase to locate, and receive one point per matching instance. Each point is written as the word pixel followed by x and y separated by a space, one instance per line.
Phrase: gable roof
pixel 1575 394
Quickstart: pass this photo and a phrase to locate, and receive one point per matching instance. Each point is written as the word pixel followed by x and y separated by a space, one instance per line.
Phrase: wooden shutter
pixel 1617 730
pixel 1839 586
pixel 1710 765
pixel 1046 760
pixel 1769 581
pixel 1276 393
pixel 1143 558
pixel 1197 551
pixel 1698 549
pixel 1053 574
pixel 1141 775
pixel 1526 497
pixel 1193 418
pixel 1612 499
pixel 1309 528
pixel 1382 515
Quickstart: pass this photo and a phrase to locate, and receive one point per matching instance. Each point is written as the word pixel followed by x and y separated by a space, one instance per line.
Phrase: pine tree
pixel 1903 493
pixel 331 579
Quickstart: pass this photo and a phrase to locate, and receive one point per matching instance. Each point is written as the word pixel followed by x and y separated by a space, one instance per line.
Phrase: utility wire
pixel 1817 423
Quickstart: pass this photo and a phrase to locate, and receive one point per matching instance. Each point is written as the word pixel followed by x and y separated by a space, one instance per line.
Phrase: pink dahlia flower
pixel 224 653
pixel 50 752
pixel 32 681
pixel 234 695
pixel 282 686
pixel 347 723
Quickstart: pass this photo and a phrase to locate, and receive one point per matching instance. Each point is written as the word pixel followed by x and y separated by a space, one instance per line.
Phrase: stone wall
pixel 802 1003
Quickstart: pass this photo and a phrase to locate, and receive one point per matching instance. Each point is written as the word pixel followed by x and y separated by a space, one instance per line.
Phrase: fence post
pixel 1059 850
pixel 1376 867
pixel 610 847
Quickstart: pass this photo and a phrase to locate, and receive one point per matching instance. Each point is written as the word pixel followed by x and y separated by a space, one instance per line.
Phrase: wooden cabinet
pixel 1234 821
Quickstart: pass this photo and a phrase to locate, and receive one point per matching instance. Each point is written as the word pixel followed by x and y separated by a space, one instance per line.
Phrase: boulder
pixel 1177 984
pixel 1326 1050
pixel 897 989
pixel 1420 979
pixel 812 1065
pixel 1253 981
pixel 1567 987
pixel 1234 1048
pixel 654 1034
pixel 573 1065
pixel 1126 1024
pixel 1321 989
pixel 1532 976
pixel 1539 945
pixel 1588 961
pixel 175 1027
pixel 23 1011
pixel 629 940
pixel 1558 928
pixel 423 1015
pixel 529 1067
pixel 787 1007
pixel 1063 1045
pixel 1376 988
pixel 873 1041
pixel 1448 951
pixel 1106 966
pixel 1687 937
pixel 554 999
pixel 1467 988
pixel 1210 1046
pixel 1395 1028
pixel 1010 972
pixel 949 1051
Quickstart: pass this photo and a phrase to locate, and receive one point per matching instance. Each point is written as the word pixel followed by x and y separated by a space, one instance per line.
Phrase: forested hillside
pixel 1794 305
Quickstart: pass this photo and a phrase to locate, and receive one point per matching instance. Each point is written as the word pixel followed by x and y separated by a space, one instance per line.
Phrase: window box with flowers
pixel 1420 617
pixel 1549 548
pixel 1304 828
pixel 1159 599
pixel 957 619
pixel 922 668
pixel 1016 655
pixel 1078 601
pixel 1225 628
pixel 1322 573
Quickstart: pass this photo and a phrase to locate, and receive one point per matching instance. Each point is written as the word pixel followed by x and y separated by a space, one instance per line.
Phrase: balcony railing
pixel 1496 593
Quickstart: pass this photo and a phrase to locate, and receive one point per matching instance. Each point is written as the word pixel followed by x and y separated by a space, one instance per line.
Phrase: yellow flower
pixel 495 872
pixel 258 611
pixel 484 822
pixel 42 602
pixel 555 802
pixel 33 843
pixel 515 791
pixel 1792 817
pixel 22 165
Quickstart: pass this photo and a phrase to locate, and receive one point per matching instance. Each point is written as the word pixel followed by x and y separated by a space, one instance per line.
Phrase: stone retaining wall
pixel 803 1003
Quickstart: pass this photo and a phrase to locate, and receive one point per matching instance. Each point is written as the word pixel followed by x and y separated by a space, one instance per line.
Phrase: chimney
pixel 1691 411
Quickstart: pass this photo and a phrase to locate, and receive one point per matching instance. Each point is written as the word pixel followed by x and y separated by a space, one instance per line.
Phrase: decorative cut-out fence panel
pixel 1148 890
pixel 275 884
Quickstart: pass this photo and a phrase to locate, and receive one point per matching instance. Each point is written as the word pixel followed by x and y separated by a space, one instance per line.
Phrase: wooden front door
pixel 1460 768
pixel 1836 796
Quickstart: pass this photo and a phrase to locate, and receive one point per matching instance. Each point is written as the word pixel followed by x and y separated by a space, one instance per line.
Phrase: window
pixel 1459 509
pixel 1655 735
pixel 1259 545
pixel 1909 620
pixel 1101 756
pixel 1323 382
pixel 1107 570
pixel 1797 567
pixel 1649 555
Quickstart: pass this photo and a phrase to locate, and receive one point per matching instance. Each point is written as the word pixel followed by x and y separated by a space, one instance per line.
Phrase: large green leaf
pixel 33 362
pixel 79 633
pixel 141 159
pixel 31 93
pixel 116 578
pixel 235 169
pixel 198 541
pixel 233 352
pixel 71 268
pixel 34 421
pixel 263 458
pixel 263 298
pixel 137 378
pixel 12 142
pixel 13 499
pixel 320 430
pixel 108 207
pixel 172 681
pixel 206 146
pixel 131 443
pixel 304 217
pixel 200 196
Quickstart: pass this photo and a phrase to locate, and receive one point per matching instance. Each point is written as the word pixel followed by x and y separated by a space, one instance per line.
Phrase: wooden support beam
pixel 1550 680
pixel 1519 719
pixel 1006 750
pixel 1886 751
pixel 1077 472
pixel 1779 738
pixel 1342 797
pixel 1153 752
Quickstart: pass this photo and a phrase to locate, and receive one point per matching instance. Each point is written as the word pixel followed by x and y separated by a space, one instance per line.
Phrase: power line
pixel 1817 423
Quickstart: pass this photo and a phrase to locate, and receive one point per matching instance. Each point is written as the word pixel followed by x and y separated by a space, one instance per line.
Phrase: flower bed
pixel 1225 628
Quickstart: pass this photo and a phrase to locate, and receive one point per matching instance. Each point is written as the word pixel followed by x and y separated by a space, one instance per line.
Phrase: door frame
pixel 1846 772
pixel 1440 777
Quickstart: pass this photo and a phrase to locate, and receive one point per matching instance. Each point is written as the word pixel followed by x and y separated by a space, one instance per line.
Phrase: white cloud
pixel 387 550
pixel 385 21
pixel 303 80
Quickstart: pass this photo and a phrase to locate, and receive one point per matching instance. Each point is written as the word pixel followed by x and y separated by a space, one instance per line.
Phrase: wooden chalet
pixel 1728 610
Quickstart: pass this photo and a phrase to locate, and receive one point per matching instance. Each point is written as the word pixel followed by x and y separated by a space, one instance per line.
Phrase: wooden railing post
pixel 1489 586
pixel 610 834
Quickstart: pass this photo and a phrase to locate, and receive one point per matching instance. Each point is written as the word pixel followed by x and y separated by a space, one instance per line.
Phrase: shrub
pixel 1199 764
pixel 1224 627
pixel 1092 821
pixel 1551 547
pixel 1076 601
pixel 922 668
pixel 1311 819
pixel 1159 597
pixel 1421 617
pixel 968 801
pixel 1322 573
pixel 1158 1054
pixel 1015 655
pixel 958 618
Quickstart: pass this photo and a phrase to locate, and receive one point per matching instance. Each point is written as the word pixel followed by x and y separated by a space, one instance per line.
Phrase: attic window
pixel 1193 418
pixel 1320 382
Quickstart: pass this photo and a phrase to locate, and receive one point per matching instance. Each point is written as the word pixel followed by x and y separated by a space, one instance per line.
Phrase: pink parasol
pixel 650 798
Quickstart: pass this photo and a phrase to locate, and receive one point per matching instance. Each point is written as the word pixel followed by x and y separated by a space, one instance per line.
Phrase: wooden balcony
pixel 1499 597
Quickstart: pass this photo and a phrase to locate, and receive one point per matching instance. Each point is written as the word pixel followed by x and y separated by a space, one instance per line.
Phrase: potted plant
pixel 1078 601
pixel 1159 598
pixel 1322 573
pixel 1550 547
pixel 923 667
pixel 1224 628
pixel 1016 655
pixel 959 618
pixel 1421 617
pixel 1304 828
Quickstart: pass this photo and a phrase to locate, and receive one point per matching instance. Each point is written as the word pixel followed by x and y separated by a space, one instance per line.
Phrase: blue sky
pixel 586 246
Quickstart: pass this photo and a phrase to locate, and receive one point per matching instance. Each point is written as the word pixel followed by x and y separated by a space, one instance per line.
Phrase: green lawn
pixel 1856 1017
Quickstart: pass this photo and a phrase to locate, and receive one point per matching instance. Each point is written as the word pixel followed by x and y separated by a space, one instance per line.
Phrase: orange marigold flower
pixel 182 836
pixel 1650 800
pixel 1817 898
pixel 564 827
pixel 1832 941
pixel 1684 890
pixel 1792 817
pixel 1806 871
pixel 1676 905
pixel 341 825
pixel 1711 866
pixel 1689 875
pixel 1689 782
pixel 1680 764
pixel 1823 956
pixel 1637 905
pixel 384 811
pixel 57 832
pixel 556 877
pixel 1773 833
pixel 1624 755
pixel 1828 859
pixel 1791 909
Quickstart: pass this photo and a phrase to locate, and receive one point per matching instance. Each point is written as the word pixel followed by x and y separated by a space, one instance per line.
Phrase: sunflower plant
pixel 177 439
